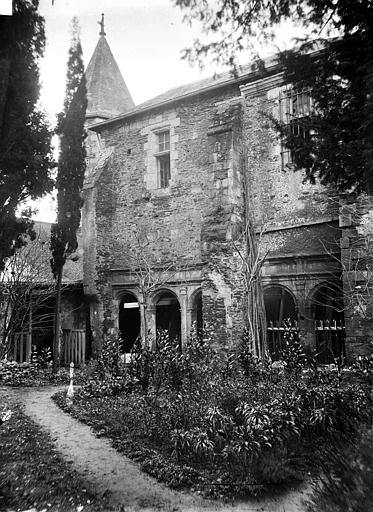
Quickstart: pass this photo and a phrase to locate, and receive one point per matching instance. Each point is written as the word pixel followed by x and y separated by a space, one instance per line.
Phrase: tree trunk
pixel 57 323
pixel 255 310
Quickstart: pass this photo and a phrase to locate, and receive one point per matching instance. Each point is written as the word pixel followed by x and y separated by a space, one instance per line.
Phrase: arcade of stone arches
pixel 167 312
pixel 174 312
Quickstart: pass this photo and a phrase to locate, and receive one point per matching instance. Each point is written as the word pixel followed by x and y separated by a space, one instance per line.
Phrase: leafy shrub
pixel 35 374
pixel 42 358
pixel 363 369
pixel 346 482
pixel 251 366
pixel 113 385
pixel 140 367
pixel 239 420
pixel 167 363
pixel 167 367
pixel 110 357
pixel 18 374
pixel 292 352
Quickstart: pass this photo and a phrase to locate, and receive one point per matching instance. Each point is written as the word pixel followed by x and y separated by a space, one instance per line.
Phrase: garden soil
pixel 113 474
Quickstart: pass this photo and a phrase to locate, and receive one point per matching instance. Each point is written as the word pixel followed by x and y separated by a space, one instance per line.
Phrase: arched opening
pixel 167 315
pixel 129 321
pixel 327 302
pixel 197 314
pixel 328 313
pixel 280 306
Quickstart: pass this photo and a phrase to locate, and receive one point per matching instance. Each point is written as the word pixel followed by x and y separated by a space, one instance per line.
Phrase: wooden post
pixel 15 341
pixel 28 347
pixel 21 347
pixel 57 323
pixel 70 391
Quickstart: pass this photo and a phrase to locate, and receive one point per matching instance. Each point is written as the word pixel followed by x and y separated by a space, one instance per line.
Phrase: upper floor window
pixel 164 141
pixel 163 159
pixel 295 107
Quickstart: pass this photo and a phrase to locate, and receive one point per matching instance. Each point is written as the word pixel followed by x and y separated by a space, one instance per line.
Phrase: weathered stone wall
pixel 297 221
pixel 279 196
pixel 356 220
pixel 180 226
pixel 225 168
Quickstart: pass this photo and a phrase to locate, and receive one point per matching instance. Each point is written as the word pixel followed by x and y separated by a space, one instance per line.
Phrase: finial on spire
pixel 102 25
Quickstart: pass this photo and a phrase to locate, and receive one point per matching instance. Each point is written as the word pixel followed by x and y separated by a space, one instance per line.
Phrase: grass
pixel 34 475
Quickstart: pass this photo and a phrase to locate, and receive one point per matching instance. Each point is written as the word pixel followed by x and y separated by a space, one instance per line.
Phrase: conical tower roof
pixel 107 92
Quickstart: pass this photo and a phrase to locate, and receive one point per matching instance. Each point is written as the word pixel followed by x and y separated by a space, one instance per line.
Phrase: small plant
pixel 111 352
pixel 43 358
pixel 363 369
pixel 292 352
pixel 181 443
pixel 140 368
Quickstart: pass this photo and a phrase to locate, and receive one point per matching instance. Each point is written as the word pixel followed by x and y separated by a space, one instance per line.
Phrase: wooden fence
pixel 73 346
pixel 22 347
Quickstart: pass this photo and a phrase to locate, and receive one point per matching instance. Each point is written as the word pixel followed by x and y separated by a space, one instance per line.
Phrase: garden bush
pixel 38 372
pixel 236 419
pixel 346 482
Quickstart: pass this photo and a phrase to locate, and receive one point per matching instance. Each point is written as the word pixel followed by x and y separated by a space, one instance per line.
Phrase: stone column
pixel 116 304
pixel 189 319
pixel 183 315
pixel 151 321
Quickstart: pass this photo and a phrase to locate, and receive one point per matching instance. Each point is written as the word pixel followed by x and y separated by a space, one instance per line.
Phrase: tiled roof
pixel 196 87
pixel 245 72
pixel 72 271
pixel 107 92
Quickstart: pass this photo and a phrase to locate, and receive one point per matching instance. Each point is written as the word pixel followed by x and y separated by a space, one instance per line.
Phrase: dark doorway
pixel 280 308
pixel 329 322
pixel 42 323
pixel 328 302
pixel 129 321
pixel 279 305
pixel 168 316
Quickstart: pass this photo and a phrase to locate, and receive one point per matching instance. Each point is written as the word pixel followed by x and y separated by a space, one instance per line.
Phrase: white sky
pixel 146 38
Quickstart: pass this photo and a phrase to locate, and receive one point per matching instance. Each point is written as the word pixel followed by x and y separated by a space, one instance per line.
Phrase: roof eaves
pixel 225 83
pixel 99 113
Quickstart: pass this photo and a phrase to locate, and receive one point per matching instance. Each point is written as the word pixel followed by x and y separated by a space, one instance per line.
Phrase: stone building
pixel 171 185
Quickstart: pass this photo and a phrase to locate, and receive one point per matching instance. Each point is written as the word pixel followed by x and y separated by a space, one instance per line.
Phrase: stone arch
pixel 196 309
pixel 326 309
pixel 280 303
pixel 325 301
pixel 168 313
pixel 129 320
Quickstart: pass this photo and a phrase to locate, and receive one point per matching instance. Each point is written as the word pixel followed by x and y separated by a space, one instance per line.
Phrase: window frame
pixel 291 113
pixel 163 155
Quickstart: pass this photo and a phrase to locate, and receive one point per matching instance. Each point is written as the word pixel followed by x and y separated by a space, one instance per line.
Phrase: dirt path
pixel 108 470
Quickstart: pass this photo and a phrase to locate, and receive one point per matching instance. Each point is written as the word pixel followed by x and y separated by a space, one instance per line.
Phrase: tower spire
pixel 102 25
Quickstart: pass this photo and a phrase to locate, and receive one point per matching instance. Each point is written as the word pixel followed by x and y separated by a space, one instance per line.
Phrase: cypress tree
pixel 70 175
pixel 25 136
